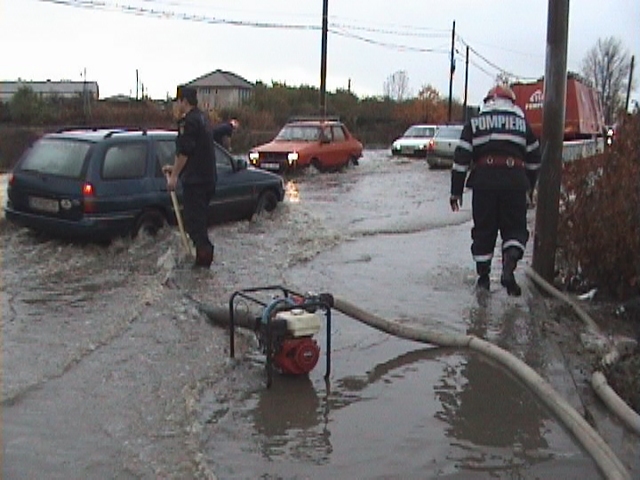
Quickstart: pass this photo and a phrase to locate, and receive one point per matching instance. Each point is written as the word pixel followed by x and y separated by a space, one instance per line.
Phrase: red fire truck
pixel 584 117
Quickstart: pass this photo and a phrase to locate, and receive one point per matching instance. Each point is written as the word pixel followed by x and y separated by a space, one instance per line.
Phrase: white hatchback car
pixel 415 141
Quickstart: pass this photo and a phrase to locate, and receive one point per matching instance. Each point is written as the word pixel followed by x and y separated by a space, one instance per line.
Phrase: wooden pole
pixel 554 104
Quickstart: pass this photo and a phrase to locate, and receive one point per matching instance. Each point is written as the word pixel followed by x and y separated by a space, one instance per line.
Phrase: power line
pixel 339 29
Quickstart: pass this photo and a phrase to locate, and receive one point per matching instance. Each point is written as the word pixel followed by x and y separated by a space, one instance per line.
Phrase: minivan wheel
pixel 149 222
pixel 267 202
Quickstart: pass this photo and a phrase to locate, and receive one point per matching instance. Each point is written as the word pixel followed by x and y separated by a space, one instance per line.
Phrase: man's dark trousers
pixel 196 198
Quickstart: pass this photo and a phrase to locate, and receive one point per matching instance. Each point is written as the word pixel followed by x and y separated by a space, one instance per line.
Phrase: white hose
pixel 598 381
pixel 610 466
pixel 606 460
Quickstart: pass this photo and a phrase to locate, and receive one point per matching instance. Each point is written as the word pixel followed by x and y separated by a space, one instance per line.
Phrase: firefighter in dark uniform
pixel 502 157
pixel 195 166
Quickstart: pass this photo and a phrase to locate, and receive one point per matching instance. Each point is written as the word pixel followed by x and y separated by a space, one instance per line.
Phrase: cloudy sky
pixel 174 41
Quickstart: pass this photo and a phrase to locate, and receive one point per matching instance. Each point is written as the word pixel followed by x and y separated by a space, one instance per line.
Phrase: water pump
pixel 285 329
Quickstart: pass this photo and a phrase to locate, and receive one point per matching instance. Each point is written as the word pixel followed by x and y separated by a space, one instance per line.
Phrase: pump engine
pixel 294 350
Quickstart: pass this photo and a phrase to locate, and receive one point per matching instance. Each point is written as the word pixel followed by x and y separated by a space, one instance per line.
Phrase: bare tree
pixel 396 86
pixel 607 66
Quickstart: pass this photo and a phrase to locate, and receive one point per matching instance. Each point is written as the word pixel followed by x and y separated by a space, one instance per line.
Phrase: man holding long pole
pixel 195 166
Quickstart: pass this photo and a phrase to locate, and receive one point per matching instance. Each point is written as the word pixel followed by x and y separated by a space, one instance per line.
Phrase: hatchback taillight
pixel 12 179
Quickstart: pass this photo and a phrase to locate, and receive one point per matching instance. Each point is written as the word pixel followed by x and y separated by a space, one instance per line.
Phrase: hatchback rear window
pixel 446 132
pixel 61 157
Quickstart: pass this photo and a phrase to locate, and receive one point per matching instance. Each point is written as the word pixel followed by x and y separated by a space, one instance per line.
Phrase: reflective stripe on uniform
pixel 460 168
pixel 512 243
pixel 483 258
pixel 533 146
pixel 500 137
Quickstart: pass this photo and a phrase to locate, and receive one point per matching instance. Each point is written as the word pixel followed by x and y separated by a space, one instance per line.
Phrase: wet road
pixel 109 371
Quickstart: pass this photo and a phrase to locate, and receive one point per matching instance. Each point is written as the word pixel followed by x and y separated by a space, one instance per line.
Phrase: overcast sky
pixel 171 42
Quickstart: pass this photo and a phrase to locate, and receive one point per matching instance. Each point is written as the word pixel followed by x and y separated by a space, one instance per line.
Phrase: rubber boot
pixel 510 258
pixel 483 269
pixel 204 256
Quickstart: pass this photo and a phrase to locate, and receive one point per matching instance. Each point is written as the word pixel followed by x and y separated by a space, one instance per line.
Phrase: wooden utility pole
pixel 553 115
pixel 452 67
pixel 626 103
pixel 323 58
pixel 466 86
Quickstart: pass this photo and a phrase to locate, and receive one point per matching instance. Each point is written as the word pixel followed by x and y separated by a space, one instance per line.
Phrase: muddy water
pixel 109 371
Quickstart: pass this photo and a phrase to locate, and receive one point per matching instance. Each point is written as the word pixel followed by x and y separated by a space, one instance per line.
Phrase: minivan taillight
pixel 88 193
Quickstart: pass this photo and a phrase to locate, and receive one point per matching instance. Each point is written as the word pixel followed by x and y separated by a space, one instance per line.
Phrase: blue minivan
pixel 96 184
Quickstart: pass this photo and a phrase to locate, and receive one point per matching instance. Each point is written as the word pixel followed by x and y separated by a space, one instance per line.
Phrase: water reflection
pixel 485 406
pixel 292 192
pixel 293 421
pixel 293 418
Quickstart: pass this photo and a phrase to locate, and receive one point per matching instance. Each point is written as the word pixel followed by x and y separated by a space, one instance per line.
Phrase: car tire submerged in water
pixel 267 202
pixel 149 222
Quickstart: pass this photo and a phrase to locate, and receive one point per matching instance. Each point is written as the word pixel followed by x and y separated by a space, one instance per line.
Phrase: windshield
pixel 418 132
pixel 297 133
pixel 63 157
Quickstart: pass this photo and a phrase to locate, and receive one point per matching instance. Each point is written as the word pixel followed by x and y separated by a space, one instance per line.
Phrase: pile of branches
pixel 599 227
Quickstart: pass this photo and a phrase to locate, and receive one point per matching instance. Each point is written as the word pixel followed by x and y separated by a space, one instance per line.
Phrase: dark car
pixel 97 184
pixel 324 144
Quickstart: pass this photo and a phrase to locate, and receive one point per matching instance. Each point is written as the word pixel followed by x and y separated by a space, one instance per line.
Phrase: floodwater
pixel 110 370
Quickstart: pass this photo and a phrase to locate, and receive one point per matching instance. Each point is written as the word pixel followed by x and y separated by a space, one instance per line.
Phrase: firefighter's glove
pixel 456 202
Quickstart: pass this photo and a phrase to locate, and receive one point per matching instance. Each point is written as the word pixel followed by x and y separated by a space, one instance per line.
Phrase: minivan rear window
pixel 61 157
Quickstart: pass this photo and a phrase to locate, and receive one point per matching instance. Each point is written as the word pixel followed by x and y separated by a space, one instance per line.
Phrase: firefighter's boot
pixel 204 256
pixel 510 258
pixel 483 269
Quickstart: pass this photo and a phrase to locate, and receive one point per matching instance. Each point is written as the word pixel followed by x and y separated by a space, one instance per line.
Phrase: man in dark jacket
pixel 196 167
pixel 502 156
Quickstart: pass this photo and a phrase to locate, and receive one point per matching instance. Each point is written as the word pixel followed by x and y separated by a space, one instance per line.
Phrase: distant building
pixel 64 89
pixel 221 89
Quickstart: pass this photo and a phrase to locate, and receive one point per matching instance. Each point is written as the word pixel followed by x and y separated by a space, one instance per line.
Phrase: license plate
pixel 44 204
pixel 270 166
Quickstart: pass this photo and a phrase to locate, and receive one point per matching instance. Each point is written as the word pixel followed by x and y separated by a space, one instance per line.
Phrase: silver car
pixel 441 150
pixel 415 141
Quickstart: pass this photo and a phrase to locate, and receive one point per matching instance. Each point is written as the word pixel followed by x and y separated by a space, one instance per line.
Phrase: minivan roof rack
pixel 125 130
pixel 112 130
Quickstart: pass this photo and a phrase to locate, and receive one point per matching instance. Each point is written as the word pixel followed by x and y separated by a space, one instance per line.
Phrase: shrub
pixel 599 227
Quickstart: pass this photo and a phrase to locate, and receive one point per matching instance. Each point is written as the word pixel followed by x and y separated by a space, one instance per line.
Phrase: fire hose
pixel 606 460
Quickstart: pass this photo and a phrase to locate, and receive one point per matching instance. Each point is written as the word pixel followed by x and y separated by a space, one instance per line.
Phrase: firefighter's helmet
pixel 500 91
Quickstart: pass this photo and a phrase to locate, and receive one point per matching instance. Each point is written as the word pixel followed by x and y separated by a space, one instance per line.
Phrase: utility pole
pixel 553 115
pixel 452 67
pixel 626 103
pixel 466 85
pixel 137 83
pixel 323 58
